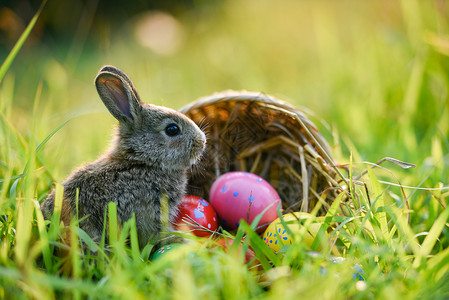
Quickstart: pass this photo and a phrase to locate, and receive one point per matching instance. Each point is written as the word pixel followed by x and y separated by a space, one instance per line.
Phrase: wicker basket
pixel 260 134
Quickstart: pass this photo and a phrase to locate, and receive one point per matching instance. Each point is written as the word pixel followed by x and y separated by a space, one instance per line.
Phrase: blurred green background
pixel 374 73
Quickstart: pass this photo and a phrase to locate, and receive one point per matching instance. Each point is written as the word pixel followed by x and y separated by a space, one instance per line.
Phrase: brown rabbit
pixel 149 157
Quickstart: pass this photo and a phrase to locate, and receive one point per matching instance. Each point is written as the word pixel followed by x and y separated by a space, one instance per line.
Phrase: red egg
pixel 238 196
pixel 197 216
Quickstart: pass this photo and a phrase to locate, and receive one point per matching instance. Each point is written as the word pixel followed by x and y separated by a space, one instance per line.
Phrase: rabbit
pixel 151 152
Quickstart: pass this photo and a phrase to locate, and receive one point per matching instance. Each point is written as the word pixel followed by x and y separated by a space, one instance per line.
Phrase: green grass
pixel 376 72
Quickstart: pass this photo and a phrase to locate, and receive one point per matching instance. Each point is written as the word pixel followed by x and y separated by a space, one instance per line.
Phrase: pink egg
pixel 242 195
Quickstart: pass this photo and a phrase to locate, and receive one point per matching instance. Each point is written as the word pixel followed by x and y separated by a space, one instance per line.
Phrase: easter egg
pixel 276 236
pixel 196 216
pixel 163 250
pixel 242 195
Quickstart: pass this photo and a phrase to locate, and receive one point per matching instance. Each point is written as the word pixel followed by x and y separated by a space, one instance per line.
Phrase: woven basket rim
pixel 244 95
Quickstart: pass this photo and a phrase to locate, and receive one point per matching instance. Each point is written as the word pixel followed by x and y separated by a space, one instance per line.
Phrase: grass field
pixel 375 76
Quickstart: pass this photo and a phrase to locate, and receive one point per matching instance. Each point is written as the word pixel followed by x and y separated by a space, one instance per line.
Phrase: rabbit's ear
pixel 120 73
pixel 118 95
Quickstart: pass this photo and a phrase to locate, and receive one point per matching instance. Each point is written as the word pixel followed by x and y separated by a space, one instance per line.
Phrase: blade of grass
pixel 50 136
pixel 403 227
pixel 438 265
pixel 10 58
pixel 133 238
pixel 46 249
pixel 102 257
pixel 75 255
pixel 327 222
pixel 24 216
pixel 433 235
pixel 165 219
pixel 379 204
pixel 87 240
pixel 113 227
pixel 261 249
pixel 59 195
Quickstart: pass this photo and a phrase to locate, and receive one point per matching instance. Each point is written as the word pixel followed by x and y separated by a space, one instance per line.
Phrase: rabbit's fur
pixel 146 160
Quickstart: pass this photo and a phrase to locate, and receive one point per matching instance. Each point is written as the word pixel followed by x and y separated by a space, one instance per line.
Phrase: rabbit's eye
pixel 172 130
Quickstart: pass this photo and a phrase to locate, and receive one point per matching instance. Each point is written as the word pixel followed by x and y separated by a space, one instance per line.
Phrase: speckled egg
pixel 196 216
pixel 240 196
pixel 276 236
pixel 163 250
